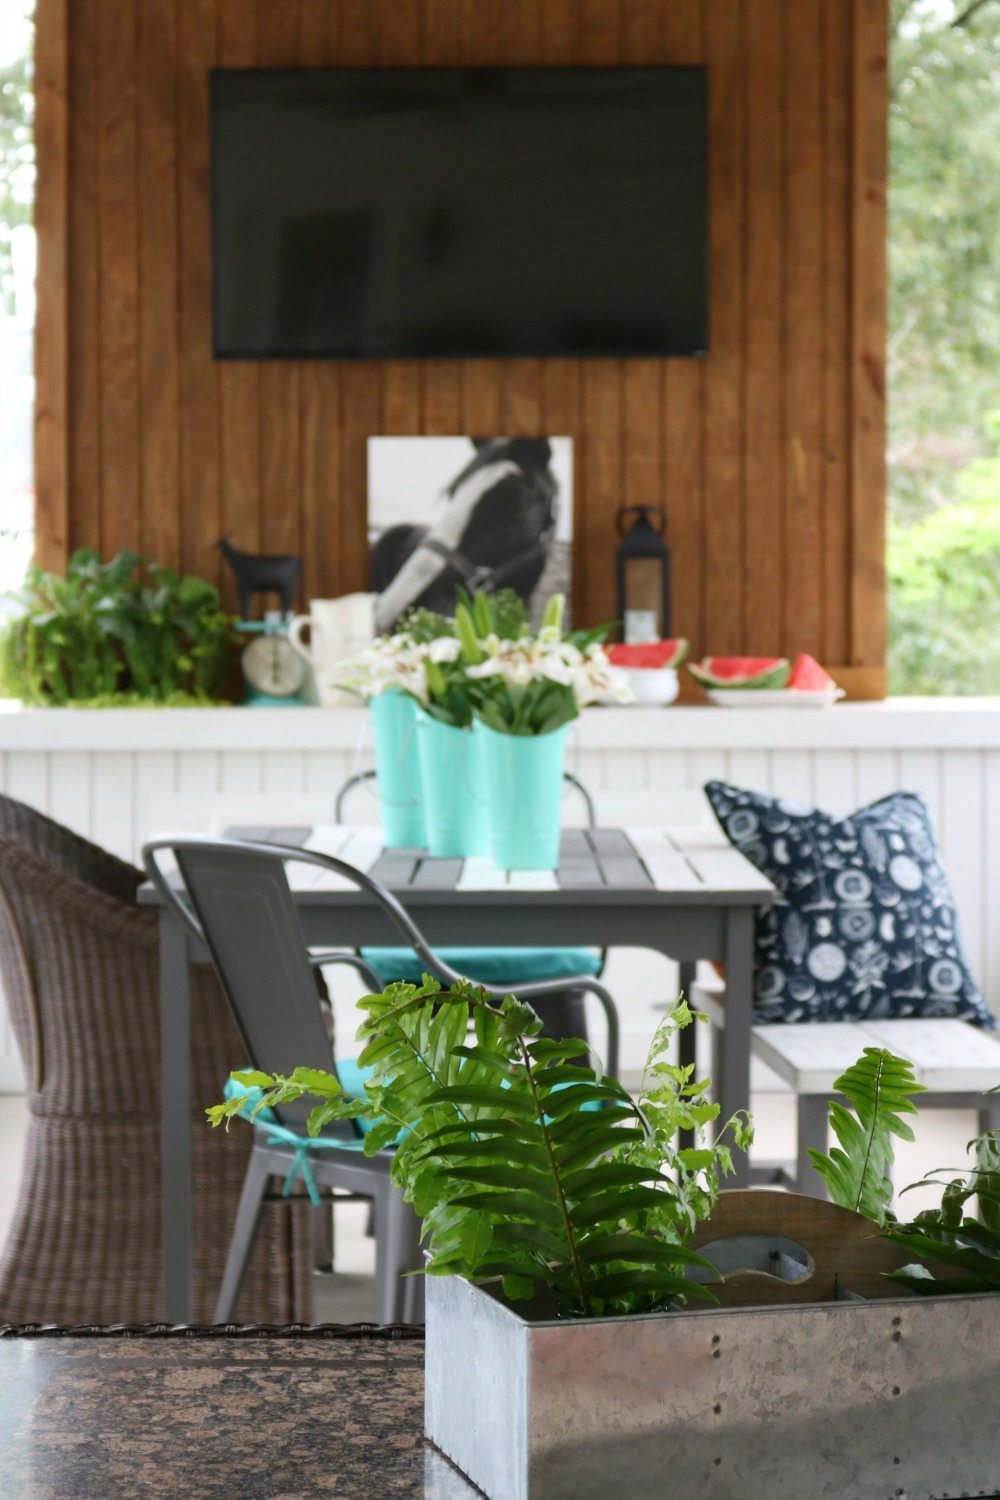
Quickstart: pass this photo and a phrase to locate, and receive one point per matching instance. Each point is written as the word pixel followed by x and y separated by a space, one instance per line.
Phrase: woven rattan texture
pixel 79 962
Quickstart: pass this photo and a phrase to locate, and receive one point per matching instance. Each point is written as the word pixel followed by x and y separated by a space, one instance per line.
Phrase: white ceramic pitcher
pixel 338 628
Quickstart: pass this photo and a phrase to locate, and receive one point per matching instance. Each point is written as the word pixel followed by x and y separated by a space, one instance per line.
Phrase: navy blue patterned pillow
pixel 864 923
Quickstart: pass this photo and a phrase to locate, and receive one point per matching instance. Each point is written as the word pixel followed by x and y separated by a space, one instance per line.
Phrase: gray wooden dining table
pixel 683 892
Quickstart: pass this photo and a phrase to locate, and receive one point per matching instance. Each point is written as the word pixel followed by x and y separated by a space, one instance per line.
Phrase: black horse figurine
pixel 495 533
pixel 262 574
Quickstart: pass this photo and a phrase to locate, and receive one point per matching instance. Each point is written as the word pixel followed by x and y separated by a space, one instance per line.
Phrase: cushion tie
pixel 276 1134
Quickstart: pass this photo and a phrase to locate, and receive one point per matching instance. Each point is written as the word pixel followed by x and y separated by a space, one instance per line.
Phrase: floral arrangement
pixel 425 659
pixel 487 663
pixel 395 661
pixel 536 683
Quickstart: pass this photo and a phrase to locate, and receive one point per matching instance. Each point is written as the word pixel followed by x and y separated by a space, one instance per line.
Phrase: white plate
pixel 774 697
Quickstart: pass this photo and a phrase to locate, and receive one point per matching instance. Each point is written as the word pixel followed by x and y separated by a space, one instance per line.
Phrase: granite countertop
pixel 195 1418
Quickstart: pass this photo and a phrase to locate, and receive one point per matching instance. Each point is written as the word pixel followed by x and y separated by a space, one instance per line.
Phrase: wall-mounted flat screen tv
pixel 370 213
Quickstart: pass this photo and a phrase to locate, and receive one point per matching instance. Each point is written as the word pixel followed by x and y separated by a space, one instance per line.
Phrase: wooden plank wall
pixel 768 454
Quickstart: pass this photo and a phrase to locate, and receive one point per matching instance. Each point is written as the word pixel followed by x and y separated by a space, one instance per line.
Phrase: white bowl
pixel 653 685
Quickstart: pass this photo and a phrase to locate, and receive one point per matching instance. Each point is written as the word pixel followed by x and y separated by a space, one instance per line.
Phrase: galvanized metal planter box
pixel 895 1399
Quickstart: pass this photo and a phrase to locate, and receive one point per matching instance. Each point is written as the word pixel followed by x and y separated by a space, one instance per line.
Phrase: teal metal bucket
pixel 452 781
pixel 397 770
pixel 524 783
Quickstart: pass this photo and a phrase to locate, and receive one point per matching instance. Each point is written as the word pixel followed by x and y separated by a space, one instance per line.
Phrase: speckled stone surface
pixel 200 1418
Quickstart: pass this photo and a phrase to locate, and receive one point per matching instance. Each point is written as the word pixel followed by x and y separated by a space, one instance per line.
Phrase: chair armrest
pixel 349 961
pixel 520 992
pixel 584 982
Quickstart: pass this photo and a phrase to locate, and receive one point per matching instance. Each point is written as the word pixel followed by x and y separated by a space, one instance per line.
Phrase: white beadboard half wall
pixel 119 776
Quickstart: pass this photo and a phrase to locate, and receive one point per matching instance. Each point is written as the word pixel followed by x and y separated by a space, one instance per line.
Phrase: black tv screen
pixel 370 213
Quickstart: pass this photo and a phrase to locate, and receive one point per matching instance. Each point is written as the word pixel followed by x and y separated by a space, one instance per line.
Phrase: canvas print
pixel 480 513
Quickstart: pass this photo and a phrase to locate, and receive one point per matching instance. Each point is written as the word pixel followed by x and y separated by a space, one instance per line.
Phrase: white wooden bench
pixel 957 1064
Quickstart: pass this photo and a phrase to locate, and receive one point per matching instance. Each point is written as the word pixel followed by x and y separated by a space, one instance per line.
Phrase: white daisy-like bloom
pixel 598 680
pixel 397 661
pixel 548 657
pixel 393 661
pixel 444 649
pixel 389 662
pixel 515 662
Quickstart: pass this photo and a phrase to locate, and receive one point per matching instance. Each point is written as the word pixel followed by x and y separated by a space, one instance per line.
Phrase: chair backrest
pixel 79 971
pixel 61 849
pixel 241 906
pixel 361 778
pixel 245 911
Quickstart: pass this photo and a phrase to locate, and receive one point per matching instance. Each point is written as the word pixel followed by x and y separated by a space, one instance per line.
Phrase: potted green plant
pixel 107 635
pixel 592 1326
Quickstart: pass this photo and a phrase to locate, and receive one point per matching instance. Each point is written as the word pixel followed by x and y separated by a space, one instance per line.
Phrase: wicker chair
pixel 79 962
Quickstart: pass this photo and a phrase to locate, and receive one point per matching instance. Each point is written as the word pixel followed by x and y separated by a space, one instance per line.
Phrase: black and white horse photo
pixel 476 513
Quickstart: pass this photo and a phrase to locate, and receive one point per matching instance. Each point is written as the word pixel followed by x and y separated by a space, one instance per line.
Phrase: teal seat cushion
pixel 494 966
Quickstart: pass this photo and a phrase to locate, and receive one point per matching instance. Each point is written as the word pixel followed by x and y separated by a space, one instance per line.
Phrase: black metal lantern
pixel 642 565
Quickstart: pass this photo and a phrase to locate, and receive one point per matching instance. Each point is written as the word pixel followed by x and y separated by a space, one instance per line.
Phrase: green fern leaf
pixel 612 1208
pixel 663 1284
pixel 524 1163
pixel 591 1180
pixel 878 1087
pixel 639 1250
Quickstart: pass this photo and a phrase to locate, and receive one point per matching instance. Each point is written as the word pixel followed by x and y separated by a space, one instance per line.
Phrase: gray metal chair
pixel 361 778
pixel 240 906
pixel 563 1011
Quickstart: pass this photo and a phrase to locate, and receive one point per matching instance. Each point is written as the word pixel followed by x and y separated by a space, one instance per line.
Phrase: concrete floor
pixel 348 1297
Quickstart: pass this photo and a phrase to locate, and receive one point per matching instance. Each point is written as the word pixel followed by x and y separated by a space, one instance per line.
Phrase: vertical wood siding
pixel 767 454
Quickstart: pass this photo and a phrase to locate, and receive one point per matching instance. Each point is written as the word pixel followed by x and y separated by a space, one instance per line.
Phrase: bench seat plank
pixel 949 1056
pixel 809 1056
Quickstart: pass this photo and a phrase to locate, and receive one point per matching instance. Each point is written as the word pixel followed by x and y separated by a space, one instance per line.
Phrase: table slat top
pixel 641 863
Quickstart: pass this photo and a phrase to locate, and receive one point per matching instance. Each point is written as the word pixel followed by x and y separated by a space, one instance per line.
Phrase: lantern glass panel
pixel 643 599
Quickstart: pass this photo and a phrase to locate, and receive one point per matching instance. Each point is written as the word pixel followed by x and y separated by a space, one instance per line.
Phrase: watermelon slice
pixel 809 677
pixel 655 655
pixel 741 671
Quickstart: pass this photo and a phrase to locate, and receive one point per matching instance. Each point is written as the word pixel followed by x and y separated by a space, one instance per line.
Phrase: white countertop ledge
pixel 899 723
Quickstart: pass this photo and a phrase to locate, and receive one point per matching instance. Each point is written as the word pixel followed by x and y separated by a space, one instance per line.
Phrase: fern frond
pixel 523 1163
pixel 879 1089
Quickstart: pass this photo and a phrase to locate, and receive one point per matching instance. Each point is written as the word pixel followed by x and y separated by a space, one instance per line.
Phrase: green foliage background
pixel 105 635
pixel 17 156
pixel 944 347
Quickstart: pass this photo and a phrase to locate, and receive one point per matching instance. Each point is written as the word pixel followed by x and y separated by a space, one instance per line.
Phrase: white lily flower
pixel 445 648
pixel 553 667
pixel 389 662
